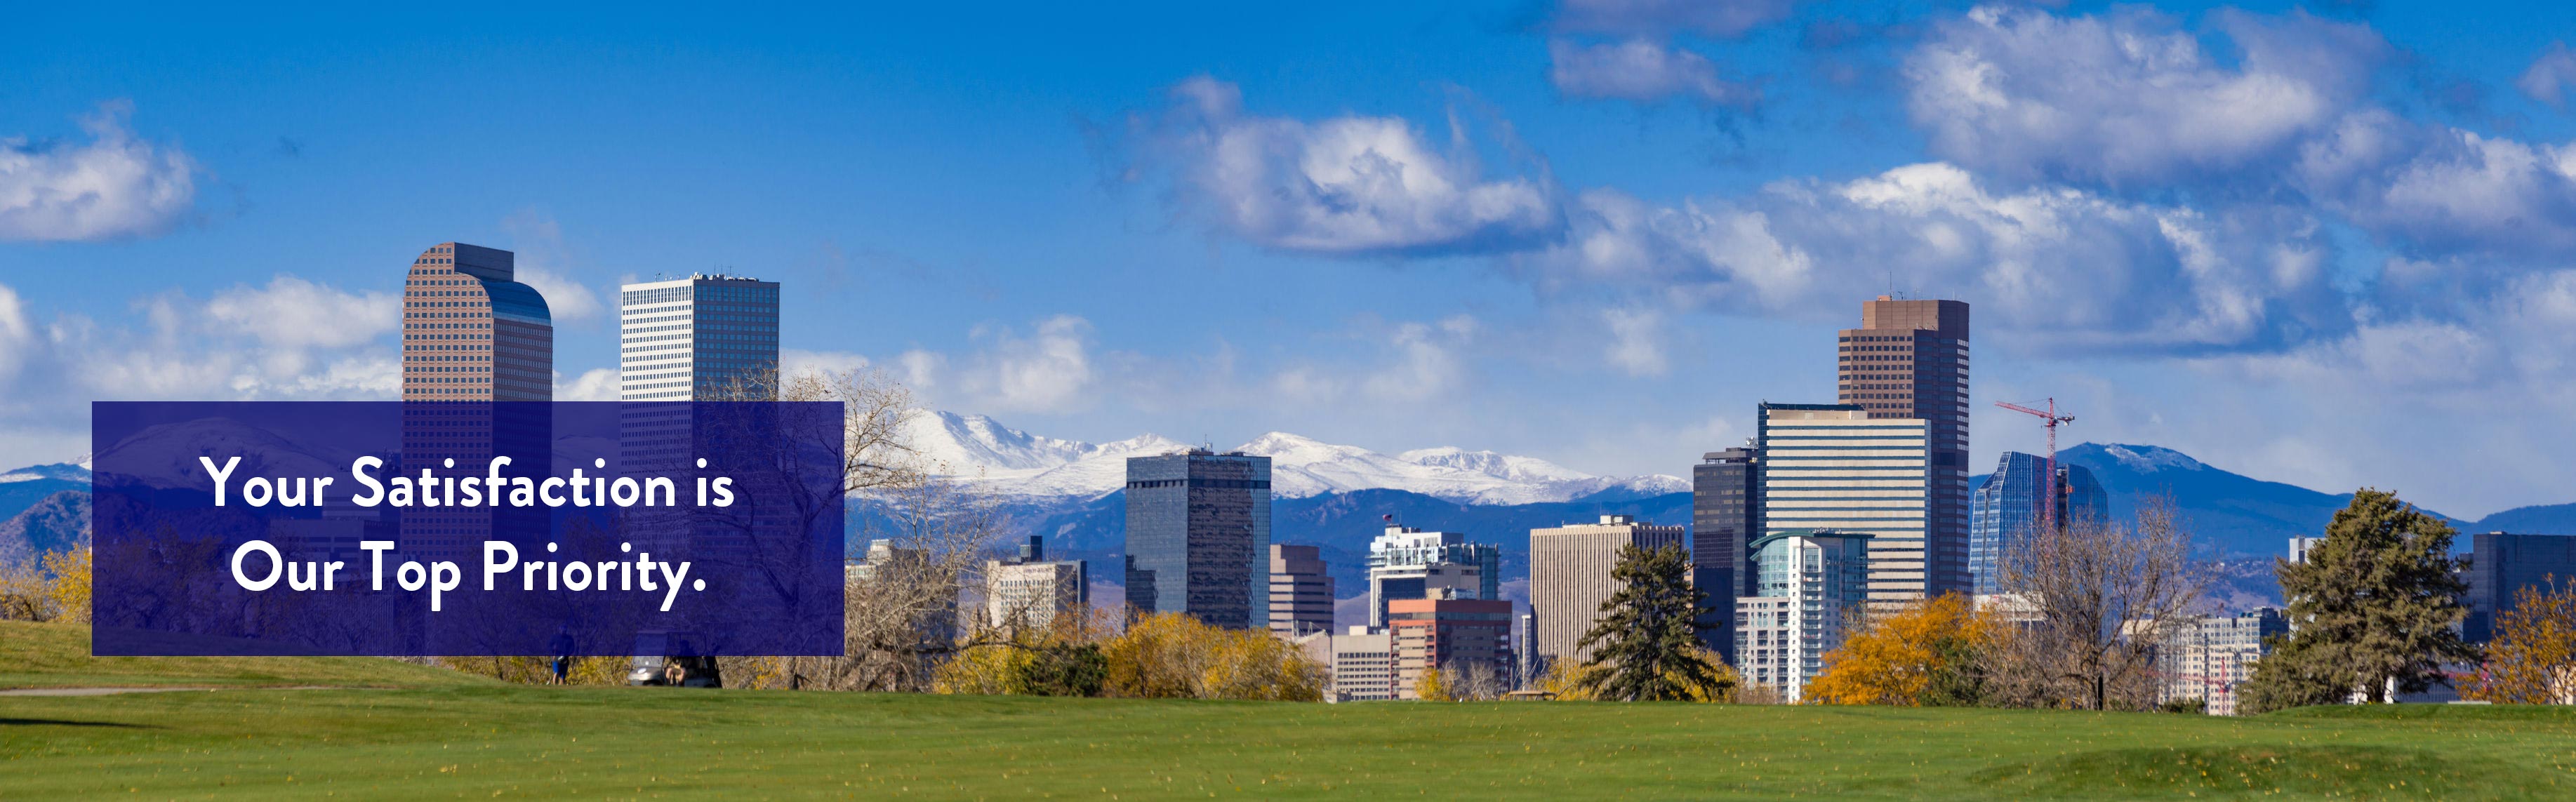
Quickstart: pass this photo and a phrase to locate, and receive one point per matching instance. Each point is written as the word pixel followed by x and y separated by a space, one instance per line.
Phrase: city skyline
pixel 2250 301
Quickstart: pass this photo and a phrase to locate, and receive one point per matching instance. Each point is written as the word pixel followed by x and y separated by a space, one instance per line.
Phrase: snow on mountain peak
pixel 978 450
pixel 2149 459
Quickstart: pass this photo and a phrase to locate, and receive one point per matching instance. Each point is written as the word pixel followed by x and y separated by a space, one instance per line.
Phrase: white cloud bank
pixel 114 185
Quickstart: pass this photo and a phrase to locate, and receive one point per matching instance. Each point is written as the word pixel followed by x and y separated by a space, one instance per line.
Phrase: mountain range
pixel 998 459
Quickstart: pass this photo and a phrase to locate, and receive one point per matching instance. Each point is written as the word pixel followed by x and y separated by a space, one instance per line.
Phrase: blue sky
pixel 2328 245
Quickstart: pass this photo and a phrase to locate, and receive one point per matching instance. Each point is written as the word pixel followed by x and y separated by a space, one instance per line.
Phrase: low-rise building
pixel 1471 637
pixel 1363 666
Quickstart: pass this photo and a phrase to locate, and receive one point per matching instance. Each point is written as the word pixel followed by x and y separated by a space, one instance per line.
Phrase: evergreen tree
pixel 2372 610
pixel 1647 642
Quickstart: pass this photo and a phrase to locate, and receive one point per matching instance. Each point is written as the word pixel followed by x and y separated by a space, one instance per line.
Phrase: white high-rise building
pixel 1408 563
pixel 697 338
pixel 1804 583
pixel 1832 467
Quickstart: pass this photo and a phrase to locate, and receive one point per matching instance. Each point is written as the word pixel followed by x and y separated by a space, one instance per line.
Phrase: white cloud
pixel 567 301
pixel 1642 71
pixel 1048 371
pixel 2550 76
pixel 1636 345
pixel 18 337
pixel 541 260
pixel 2441 190
pixel 1405 364
pixel 116 185
pixel 1718 18
pixel 793 362
pixel 1349 185
pixel 2049 267
pixel 596 384
pixel 296 314
pixel 2128 98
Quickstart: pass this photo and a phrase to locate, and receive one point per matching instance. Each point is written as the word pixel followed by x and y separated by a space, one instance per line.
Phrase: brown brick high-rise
pixel 1909 359
pixel 472 333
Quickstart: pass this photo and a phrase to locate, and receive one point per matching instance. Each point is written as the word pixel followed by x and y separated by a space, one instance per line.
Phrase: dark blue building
pixel 2007 505
pixel 2501 563
pixel 1198 537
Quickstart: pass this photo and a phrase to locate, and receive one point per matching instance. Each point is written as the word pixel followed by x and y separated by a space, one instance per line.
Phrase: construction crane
pixel 2050 419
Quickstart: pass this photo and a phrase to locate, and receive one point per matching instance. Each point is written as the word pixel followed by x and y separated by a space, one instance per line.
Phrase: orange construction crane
pixel 2050 419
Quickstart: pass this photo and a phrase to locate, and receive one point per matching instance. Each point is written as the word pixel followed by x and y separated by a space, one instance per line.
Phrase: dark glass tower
pixel 1198 537
pixel 1726 513
pixel 2007 505
pixel 1909 359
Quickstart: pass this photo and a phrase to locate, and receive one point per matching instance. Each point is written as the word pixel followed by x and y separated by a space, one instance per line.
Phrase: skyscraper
pixel 1909 359
pixel 698 338
pixel 1835 467
pixel 1726 514
pixel 1804 583
pixel 1570 577
pixel 471 333
pixel 1198 534
pixel 1408 563
pixel 2501 564
pixel 2007 505
pixel 1301 595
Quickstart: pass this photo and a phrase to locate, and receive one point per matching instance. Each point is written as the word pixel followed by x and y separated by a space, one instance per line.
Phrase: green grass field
pixel 485 741
pixel 57 656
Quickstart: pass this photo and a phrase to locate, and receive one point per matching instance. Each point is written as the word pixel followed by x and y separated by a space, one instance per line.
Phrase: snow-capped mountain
pixel 977 449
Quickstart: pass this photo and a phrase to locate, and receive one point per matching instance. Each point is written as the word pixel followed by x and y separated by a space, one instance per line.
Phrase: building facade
pixel 1408 563
pixel 2210 657
pixel 473 333
pixel 1301 594
pixel 1909 359
pixel 1363 666
pixel 1834 467
pixel 1032 591
pixel 1570 577
pixel 1198 535
pixel 705 337
pixel 1805 584
pixel 1726 515
pixel 2007 505
pixel 2502 563
pixel 1469 636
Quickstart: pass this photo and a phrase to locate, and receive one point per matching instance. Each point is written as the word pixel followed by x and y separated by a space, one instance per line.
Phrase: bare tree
pixel 901 602
pixel 2094 598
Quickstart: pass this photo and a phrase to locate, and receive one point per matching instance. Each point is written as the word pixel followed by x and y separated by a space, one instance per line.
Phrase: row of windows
pixel 1221 484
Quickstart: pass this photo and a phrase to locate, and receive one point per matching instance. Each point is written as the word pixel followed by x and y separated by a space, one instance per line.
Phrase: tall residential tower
pixel 1909 359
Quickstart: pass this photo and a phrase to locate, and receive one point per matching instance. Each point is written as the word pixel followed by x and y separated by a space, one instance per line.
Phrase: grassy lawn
pixel 445 735
pixel 485 742
pixel 57 656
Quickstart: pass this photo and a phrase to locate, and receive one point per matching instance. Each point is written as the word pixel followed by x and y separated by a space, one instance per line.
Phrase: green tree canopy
pixel 1647 641
pixel 2373 610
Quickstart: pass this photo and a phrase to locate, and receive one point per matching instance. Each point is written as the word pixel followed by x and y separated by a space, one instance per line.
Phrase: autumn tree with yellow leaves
pixel 1924 654
pixel 2532 660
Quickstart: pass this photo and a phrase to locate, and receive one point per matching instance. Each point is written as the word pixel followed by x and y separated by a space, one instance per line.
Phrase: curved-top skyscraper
pixel 471 332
